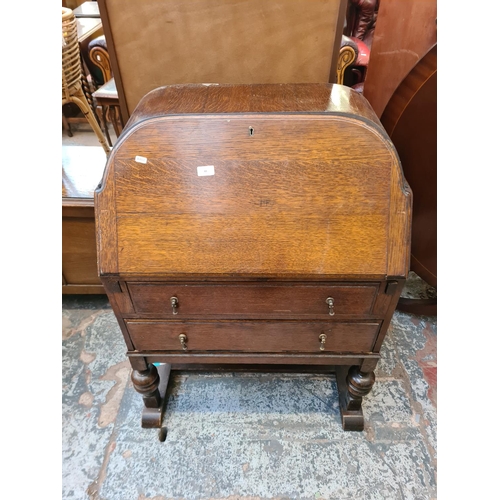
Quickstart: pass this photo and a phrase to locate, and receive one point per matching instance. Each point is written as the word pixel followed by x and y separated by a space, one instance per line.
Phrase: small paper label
pixel 206 170
pixel 141 159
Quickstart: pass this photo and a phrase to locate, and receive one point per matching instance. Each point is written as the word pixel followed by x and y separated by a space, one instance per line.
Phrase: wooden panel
pixel 411 119
pixel 398 248
pixel 120 302
pixel 327 187
pixel 253 336
pixel 120 295
pixel 280 138
pixel 219 41
pixel 253 300
pixel 259 98
pixel 83 290
pixel 252 244
pixel 79 255
pixel 170 186
pixel 106 232
pixel 78 207
pixel 405 32
pixel 261 362
pixel 82 169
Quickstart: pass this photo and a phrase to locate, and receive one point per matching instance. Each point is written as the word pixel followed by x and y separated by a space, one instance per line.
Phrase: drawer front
pixel 253 300
pixel 253 336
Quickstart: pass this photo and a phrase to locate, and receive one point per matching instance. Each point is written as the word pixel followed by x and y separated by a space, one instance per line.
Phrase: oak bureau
pixel 253 225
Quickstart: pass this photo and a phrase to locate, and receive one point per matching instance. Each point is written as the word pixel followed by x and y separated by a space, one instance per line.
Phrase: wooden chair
pixel 361 18
pixel 106 95
pixel 98 55
pixel 347 56
pixel 72 91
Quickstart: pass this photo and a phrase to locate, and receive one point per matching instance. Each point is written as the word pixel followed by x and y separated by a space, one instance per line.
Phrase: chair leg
pixel 105 111
pixel 115 119
pixel 67 126
pixel 79 99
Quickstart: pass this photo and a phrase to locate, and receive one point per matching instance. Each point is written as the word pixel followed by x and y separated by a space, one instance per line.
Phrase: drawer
pixel 253 336
pixel 253 300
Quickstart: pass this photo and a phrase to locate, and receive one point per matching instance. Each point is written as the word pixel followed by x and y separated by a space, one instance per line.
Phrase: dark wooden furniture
pixel 253 225
pixel 361 19
pixel 99 57
pixel 106 97
pixel 401 88
pixel 219 41
pixel 410 119
pixel 82 168
pixel 404 33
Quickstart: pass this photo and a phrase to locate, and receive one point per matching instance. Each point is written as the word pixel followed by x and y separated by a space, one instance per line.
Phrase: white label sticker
pixel 206 170
pixel 141 159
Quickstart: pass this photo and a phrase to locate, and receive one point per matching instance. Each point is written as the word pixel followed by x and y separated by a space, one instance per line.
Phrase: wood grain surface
pixel 411 120
pixel 250 206
pixel 405 32
pixel 319 195
pixel 253 300
pixel 79 256
pixel 258 98
pixel 82 170
pixel 292 362
pixel 253 336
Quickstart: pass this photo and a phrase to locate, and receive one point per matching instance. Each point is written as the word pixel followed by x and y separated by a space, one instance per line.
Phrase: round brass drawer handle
pixel 183 340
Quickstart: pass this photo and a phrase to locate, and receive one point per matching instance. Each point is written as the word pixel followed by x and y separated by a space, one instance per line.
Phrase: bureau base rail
pixel 355 379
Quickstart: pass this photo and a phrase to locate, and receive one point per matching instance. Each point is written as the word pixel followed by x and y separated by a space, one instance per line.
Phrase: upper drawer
pixel 253 300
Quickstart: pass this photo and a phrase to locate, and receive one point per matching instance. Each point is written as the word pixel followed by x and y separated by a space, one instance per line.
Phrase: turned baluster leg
pixel 151 383
pixel 146 383
pixel 353 384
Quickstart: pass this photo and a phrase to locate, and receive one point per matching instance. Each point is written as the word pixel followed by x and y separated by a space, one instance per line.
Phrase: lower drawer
pixel 252 336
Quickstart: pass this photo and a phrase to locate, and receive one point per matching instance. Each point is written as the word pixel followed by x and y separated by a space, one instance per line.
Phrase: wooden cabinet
pixel 82 169
pixel 253 225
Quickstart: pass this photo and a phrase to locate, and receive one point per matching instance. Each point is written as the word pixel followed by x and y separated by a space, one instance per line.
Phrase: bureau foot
pixel 352 385
pixel 152 385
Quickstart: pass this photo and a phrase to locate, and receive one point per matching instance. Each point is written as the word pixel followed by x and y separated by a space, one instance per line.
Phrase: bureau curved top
pixel 262 181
